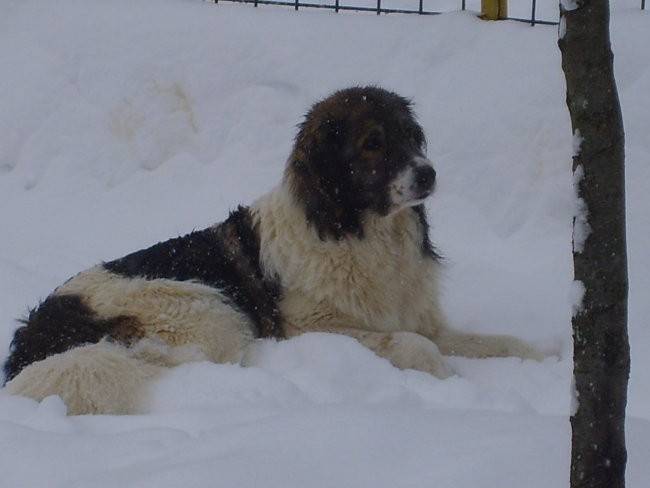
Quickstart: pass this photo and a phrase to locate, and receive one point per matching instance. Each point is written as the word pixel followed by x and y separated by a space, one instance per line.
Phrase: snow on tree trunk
pixel 601 348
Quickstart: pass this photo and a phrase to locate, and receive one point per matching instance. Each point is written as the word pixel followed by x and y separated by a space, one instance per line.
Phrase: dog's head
pixel 359 150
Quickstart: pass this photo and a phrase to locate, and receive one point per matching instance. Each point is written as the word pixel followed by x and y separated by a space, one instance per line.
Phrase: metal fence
pixel 337 6
pixel 379 7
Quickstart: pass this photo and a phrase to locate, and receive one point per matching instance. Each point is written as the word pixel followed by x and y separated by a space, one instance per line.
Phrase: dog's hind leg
pixel 98 378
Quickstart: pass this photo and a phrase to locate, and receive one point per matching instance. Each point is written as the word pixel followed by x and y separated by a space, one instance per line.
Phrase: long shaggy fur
pixel 340 245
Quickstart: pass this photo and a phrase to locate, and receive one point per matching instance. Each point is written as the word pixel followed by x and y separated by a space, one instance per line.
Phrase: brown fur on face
pixel 348 150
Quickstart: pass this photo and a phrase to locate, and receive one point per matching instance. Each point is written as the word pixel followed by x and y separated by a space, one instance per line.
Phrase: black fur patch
pixel 60 323
pixel 225 256
pixel 427 246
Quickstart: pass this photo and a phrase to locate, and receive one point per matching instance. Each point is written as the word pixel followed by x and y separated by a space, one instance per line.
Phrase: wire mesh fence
pixel 529 11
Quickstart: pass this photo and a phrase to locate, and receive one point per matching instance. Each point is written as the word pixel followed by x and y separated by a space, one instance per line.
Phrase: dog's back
pixel 200 296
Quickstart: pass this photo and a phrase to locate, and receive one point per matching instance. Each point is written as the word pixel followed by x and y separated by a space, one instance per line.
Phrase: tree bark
pixel 601 348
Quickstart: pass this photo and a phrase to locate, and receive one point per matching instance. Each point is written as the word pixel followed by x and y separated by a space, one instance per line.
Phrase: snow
pixel 577 295
pixel 128 122
pixel 569 5
pixel 581 227
pixel 561 29
pixel 577 140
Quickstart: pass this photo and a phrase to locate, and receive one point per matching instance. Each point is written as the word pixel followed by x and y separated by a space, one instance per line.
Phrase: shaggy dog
pixel 340 245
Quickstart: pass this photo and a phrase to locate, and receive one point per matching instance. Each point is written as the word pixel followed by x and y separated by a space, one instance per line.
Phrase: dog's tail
pixel 96 378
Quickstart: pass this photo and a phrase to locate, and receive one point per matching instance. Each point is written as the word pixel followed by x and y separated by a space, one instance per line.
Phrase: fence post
pixel 533 14
pixel 494 9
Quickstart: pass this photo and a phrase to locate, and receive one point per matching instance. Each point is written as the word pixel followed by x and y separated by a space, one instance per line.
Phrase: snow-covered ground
pixel 127 122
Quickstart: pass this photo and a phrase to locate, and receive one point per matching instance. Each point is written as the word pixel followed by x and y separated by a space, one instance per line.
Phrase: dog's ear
pixel 326 145
pixel 333 130
pixel 316 172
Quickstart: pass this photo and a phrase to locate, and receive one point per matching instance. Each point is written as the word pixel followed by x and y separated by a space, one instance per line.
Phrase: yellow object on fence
pixel 494 9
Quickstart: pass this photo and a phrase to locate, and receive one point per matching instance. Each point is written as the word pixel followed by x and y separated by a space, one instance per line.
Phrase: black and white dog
pixel 340 245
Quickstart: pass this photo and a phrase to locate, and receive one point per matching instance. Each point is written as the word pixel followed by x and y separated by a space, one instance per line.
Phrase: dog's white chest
pixel 378 281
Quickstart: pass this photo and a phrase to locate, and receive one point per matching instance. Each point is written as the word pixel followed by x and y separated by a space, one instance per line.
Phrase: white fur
pixel 98 378
pixel 181 322
pixel 380 289
pixel 175 312
pixel 103 378
pixel 378 283
pixel 403 188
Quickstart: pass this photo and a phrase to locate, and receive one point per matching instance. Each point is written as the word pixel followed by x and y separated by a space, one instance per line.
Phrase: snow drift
pixel 128 122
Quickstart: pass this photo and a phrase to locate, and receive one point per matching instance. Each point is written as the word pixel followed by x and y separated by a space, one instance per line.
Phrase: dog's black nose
pixel 425 177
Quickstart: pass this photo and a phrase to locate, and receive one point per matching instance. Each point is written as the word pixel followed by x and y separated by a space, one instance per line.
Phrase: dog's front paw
pixel 518 348
pixel 408 350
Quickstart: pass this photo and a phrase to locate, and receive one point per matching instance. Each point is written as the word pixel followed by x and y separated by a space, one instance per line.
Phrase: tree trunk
pixel 601 348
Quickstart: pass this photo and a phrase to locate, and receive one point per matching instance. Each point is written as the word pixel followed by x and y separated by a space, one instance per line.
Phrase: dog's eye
pixel 374 142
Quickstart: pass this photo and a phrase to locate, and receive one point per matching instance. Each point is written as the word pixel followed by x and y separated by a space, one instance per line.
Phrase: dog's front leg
pixel 453 343
pixel 406 350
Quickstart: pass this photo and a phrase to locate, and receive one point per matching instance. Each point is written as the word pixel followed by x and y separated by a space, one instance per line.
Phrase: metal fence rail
pixel 337 6
pixel 377 8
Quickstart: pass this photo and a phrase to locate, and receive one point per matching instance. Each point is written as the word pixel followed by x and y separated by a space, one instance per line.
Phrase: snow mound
pixel 128 122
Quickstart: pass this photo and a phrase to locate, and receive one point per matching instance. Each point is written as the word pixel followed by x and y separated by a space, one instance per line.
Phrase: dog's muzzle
pixel 413 184
pixel 424 180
